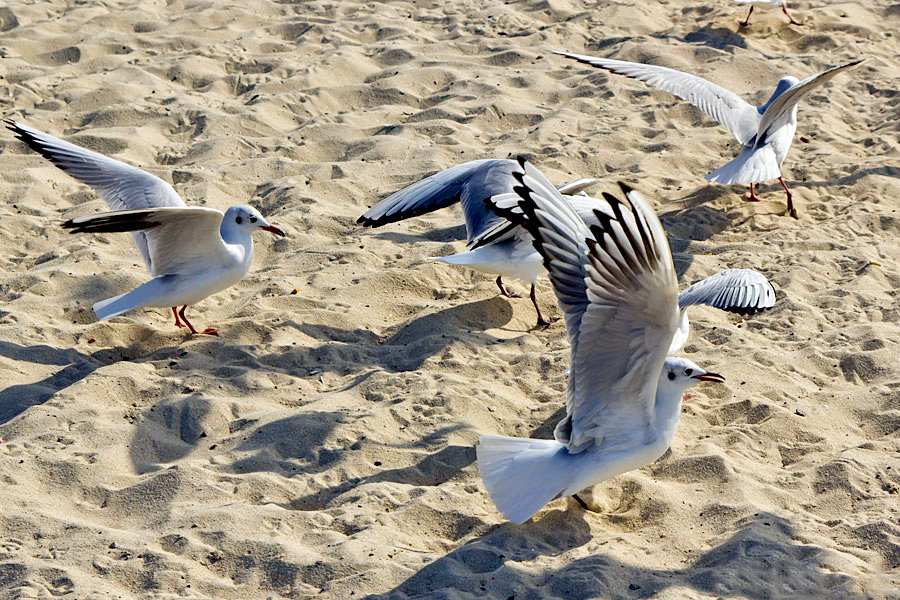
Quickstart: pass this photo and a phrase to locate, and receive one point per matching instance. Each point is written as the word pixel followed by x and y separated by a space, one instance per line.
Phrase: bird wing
pixel 121 186
pixel 743 291
pixel 181 240
pixel 735 290
pixel 469 182
pixel 733 113
pixel 616 284
pixel 781 106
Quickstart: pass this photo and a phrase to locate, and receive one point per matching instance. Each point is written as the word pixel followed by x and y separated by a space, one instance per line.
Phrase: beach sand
pixel 323 446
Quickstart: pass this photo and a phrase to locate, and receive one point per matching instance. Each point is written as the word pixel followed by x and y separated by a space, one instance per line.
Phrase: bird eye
pixel 253 219
pixel 688 372
pixel 238 220
pixel 671 376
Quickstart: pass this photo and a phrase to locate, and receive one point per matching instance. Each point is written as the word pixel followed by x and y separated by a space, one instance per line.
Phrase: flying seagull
pixel 493 244
pixel 782 3
pixel 192 252
pixel 765 132
pixel 615 282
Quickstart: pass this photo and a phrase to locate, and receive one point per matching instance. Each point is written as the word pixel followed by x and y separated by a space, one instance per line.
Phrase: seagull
pixel 765 132
pixel 192 252
pixel 782 3
pixel 493 244
pixel 616 284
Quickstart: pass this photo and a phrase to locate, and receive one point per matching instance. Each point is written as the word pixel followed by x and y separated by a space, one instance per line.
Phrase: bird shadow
pixel 761 560
pixel 886 170
pixel 404 347
pixel 443 234
pixel 15 399
pixel 719 38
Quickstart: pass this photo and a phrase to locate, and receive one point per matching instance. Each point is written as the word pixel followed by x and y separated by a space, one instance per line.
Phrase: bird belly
pixel 190 289
pixel 503 259
pixel 599 464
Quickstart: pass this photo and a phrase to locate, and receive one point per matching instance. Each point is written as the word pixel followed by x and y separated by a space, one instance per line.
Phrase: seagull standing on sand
pixel 493 244
pixel 782 3
pixel 616 284
pixel 192 252
pixel 765 132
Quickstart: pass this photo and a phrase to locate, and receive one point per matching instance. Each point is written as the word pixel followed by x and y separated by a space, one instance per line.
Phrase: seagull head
pixel 248 218
pixel 784 84
pixel 678 374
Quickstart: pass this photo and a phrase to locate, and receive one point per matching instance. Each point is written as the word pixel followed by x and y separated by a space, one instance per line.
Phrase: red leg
pixel 784 10
pixel 790 199
pixel 207 331
pixel 503 289
pixel 541 322
pixel 746 22
pixel 753 197
pixel 178 322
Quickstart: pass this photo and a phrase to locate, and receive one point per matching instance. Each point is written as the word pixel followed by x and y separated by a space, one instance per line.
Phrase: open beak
pixel 710 377
pixel 274 230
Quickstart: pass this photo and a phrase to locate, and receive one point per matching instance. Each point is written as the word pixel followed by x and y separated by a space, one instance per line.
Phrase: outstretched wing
pixel 781 106
pixel 739 117
pixel 121 186
pixel 742 291
pixel 736 290
pixel 180 240
pixel 616 285
pixel 469 182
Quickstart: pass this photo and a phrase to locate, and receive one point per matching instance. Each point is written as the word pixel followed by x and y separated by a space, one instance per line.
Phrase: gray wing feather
pixel 733 113
pixel 735 290
pixel 121 186
pixel 781 106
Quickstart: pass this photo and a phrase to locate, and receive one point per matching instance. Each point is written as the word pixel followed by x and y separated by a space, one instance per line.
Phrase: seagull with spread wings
pixel 765 132
pixel 615 282
pixel 494 245
pixel 192 252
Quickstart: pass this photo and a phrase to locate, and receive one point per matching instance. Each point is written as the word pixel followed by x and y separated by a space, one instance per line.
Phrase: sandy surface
pixel 323 446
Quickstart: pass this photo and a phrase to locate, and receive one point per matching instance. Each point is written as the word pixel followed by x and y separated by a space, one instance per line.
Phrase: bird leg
pixel 503 290
pixel 581 502
pixel 178 322
pixel 753 197
pixel 790 199
pixel 746 22
pixel 207 331
pixel 787 14
pixel 541 322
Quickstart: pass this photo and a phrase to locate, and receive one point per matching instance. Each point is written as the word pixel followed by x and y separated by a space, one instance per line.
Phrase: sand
pixel 322 447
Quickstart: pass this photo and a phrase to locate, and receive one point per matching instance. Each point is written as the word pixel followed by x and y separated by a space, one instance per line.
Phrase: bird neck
pixel 238 239
pixel 666 411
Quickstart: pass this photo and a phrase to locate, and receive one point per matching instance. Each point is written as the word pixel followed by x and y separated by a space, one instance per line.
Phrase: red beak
pixel 273 229
pixel 710 377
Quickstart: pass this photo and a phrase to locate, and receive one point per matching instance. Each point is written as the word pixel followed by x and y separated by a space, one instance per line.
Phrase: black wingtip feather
pixel 111 223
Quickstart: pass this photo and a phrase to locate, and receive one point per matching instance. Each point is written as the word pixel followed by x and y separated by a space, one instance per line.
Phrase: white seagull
pixel 765 132
pixel 782 3
pixel 617 286
pixel 192 252
pixel 493 244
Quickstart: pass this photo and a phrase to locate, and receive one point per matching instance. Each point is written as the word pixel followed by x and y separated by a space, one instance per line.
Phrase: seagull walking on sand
pixel 493 244
pixel 782 3
pixel 765 132
pixel 616 284
pixel 192 252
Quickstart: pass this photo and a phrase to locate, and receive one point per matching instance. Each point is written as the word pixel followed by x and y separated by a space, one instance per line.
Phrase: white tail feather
pixel 522 474
pixel 143 295
pixel 752 165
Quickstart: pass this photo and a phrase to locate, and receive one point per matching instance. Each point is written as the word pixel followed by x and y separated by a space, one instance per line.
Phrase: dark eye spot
pixel 238 220
pixel 671 376
pixel 253 219
pixel 688 372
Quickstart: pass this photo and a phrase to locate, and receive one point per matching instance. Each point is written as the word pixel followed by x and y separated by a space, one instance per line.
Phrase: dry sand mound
pixel 323 446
